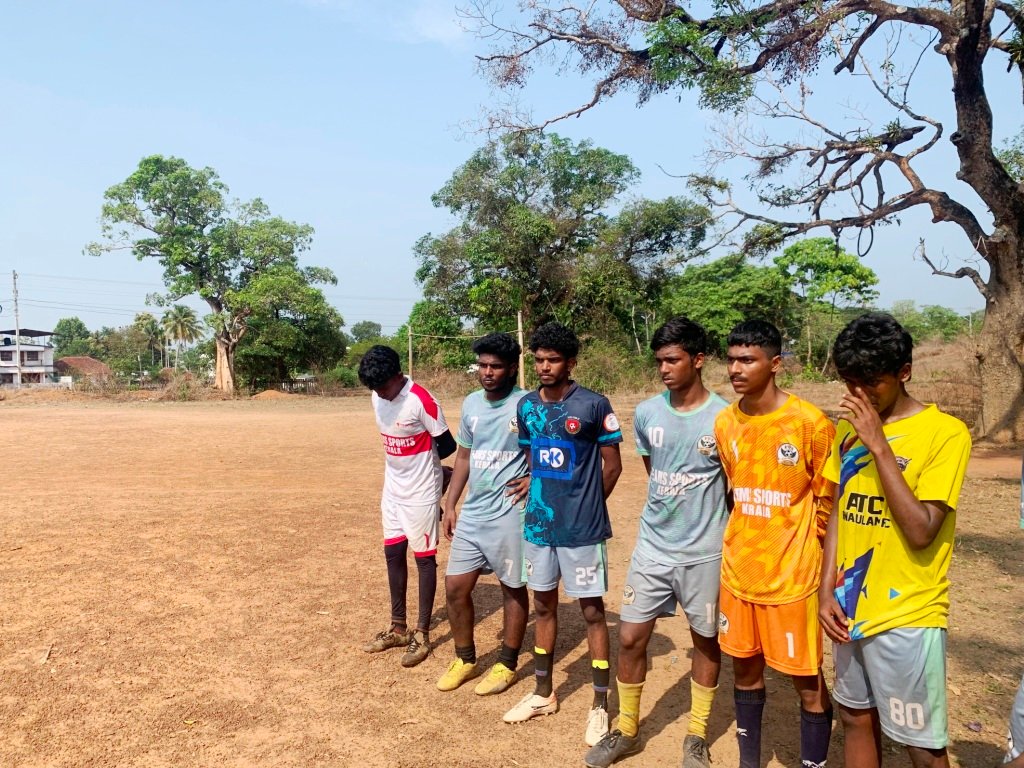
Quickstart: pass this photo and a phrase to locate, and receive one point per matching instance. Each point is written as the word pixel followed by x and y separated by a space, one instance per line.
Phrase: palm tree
pixel 181 325
pixel 154 333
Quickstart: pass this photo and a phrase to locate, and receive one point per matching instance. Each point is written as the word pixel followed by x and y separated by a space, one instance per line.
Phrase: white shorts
pixel 1015 740
pixel 490 545
pixel 417 523
pixel 583 570
pixel 902 674
pixel 653 590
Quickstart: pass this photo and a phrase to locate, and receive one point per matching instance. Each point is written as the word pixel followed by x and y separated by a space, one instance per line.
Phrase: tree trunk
pixel 1001 349
pixel 224 377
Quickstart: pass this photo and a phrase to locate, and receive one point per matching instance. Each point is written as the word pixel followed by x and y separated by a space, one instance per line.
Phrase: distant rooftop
pixel 28 332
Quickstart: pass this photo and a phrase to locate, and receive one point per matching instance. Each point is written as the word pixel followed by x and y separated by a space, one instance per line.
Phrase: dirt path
pixel 188 584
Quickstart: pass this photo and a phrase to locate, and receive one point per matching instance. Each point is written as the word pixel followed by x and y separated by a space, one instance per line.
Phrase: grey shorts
pixel 902 674
pixel 583 570
pixel 1015 740
pixel 490 546
pixel 653 590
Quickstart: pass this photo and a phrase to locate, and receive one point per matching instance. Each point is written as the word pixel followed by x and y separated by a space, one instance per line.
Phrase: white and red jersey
pixel 408 425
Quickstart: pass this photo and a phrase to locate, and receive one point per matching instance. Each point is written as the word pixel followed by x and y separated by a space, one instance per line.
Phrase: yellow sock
pixel 629 707
pixel 700 710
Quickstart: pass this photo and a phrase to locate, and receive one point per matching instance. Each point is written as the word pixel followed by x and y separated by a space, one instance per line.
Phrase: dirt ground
pixel 188 584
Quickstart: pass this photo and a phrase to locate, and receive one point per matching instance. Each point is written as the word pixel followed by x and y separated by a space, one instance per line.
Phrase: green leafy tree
pixel 858 169
pixel 71 337
pixel 365 330
pixel 825 277
pixel 535 235
pixel 235 256
pixel 723 292
pixel 155 336
pixel 438 336
pixel 296 331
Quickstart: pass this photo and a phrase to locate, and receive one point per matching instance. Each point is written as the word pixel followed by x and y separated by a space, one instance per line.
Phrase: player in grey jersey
pixel 488 535
pixel 678 551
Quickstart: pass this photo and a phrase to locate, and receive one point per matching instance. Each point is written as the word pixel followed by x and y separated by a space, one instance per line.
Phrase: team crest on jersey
pixel 628 595
pixel 902 463
pixel 723 623
pixel 788 455
pixel 513 424
pixel 573 425
pixel 611 423
pixel 706 446
pixel 529 566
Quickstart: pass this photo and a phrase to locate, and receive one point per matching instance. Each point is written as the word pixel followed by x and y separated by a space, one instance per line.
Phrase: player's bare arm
pixel 460 476
pixel 831 615
pixel 647 464
pixel 919 520
pixel 611 467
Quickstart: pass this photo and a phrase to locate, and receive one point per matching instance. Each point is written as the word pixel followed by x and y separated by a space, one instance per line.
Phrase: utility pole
pixel 410 349
pixel 17 335
pixel 522 355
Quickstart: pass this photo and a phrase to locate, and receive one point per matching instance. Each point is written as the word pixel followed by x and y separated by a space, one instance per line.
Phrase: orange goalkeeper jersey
pixel 781 502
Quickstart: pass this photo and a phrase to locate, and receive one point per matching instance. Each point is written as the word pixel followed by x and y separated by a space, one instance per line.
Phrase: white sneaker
pixel 597 726
pixel 531 705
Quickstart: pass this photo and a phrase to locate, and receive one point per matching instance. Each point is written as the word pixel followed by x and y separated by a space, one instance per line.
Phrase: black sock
pixel 749 708
pixel 601 680
pixel 467 654
pixel 542 663
pixel 509 656
pixel 398 579
pixel 427 568
pixel 815 732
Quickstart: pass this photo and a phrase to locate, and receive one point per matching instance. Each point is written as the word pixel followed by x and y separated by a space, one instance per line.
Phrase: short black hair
pixel 871 345
pixel 756 333
pixel 557 337
pixel 683 331
pixel 379 365
pixel 501 345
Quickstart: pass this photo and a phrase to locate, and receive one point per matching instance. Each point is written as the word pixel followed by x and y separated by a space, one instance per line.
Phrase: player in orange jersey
pixel 773 447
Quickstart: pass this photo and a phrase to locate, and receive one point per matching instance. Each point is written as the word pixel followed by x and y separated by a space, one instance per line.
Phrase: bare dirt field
pixel 188 584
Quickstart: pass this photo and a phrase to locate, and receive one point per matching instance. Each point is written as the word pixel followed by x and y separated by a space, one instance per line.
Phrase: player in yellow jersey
pixel 884 590
pixel 773 447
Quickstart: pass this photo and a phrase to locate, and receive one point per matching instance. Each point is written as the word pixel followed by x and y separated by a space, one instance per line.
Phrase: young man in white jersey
pixel 678 554
pixel 488 535
pixel 416 438
pixel 884 595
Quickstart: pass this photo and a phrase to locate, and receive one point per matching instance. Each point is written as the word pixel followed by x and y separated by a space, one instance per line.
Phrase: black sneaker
pixel 609 749
pixel 696 753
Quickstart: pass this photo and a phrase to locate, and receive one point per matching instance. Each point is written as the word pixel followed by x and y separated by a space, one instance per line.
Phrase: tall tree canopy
pixel 536 234
pixel 236 256
pixel 855 173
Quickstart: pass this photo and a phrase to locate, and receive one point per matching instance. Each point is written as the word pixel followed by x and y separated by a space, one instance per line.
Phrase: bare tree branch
pixel 968 272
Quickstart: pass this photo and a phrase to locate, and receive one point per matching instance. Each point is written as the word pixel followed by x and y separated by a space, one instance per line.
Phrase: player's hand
pixel 518 488
pixel 864 419
pixel 448 521
pixel 832 617
pixel 446 478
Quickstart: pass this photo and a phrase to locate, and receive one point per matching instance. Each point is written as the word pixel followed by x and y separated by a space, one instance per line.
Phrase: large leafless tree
pixel 757 62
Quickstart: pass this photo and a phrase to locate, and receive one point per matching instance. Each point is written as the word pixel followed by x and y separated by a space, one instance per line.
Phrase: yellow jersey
pixel 882 582
pixel 771 553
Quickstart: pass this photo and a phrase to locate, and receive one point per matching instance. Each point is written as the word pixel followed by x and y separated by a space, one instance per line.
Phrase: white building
pixel 36 357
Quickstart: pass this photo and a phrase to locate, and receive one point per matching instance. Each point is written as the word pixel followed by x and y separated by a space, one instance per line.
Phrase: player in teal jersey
pixel 488 535
pixel 678 551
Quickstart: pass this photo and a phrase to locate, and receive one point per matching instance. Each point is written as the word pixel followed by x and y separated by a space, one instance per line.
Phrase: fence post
pixel 410 349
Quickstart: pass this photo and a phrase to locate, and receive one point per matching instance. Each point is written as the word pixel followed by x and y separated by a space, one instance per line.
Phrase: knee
pixel 543 609
pixel 853 719
pixel 593 613
pixel 426 563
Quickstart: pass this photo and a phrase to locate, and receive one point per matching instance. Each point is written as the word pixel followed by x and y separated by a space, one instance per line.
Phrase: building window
pixel 6 356
pixel 32 357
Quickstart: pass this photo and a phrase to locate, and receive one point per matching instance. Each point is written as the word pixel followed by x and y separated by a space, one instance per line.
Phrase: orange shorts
pixel 788 636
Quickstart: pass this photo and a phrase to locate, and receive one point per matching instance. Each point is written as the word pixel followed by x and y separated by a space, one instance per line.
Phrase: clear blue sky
pixel 346 115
